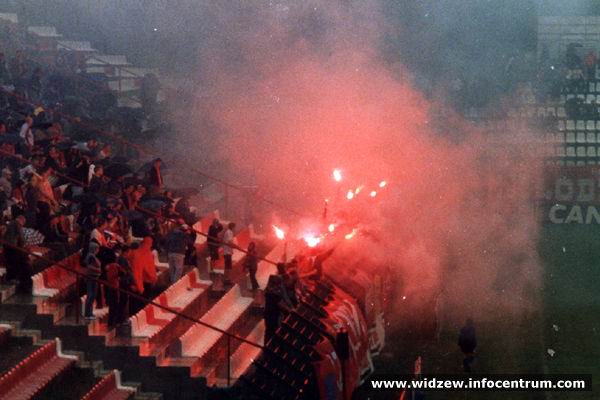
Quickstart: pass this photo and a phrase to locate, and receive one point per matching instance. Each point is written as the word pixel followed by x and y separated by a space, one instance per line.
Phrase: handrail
pixel 129 293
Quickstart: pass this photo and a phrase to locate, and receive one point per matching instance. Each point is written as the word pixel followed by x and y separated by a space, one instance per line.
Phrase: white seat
pixel 570 163
pixel 39 289
pixel 560 151
pixel 590 125
pixel 561 125
pixel 570 137
pixel 590 98
pixel 559 137
pixel 570 151
pixel 580 163
pixel 592 87
pixel 580 126
pixel 246 353
pixel 591 137
pixel 580 137
pixel 199 339
pixel 140 326
pixel 591 151
pixel 570 125
pixel 581 151
pixel 560 112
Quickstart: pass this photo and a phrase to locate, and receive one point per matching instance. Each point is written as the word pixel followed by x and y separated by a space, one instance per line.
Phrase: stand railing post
pixel 77 300
pixel 228 360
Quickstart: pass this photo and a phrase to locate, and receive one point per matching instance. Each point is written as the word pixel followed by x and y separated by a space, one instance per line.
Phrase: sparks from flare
pixel 331 228
pixel 350 195
pixel 382 184
pixel 373 193
pixel 279 232
pixel 351 234
pixel 358 189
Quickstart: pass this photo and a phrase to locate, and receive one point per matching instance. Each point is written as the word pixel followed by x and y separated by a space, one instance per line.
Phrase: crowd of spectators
pixel 63 192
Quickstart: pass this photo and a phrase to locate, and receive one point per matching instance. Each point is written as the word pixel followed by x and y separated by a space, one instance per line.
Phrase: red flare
pixel 337 175
pixel 312 240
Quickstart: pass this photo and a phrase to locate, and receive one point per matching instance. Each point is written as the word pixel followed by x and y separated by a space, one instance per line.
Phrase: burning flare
pixel 279 232
pixel 331 228
pixel 350 195
pixel 312 240
pixel 382 184
pixel 337 175
pixel 373 193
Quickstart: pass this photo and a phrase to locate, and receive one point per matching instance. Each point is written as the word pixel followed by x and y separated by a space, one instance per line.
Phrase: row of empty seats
pixel 31 375
pixel 110 388
pixel 590 87
pixel 199 339
pixel 57 280
pixel 576 151
pixel 579 125
pixel 573 137
pixel 157 325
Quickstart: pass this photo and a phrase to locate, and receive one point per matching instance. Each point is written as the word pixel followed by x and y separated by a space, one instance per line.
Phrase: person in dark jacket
pixel 177 243
pixel 155 177
pixel 213 240
pixel 92 268
pixel 467 342
pixel 274 294
pixel 17 262
pixel 251 264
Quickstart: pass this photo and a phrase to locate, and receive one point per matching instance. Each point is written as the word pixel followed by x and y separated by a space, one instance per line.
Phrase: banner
pixel 571 195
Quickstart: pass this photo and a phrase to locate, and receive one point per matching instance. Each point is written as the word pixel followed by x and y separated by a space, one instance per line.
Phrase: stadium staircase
pixel 164 354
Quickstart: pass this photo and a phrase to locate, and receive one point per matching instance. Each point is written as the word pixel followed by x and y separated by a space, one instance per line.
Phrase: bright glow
pixel 337 175
pixel 279 233
pixel 351 234
pixel 350 195
pixel 358 189
pixel 331 228
pixel 373 193
pixel 312 240
pixel 382 184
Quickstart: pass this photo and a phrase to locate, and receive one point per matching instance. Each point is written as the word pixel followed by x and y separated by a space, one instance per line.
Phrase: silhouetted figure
pixel 213 240
pixel 251 264
pixel 468 342
pixel 274 293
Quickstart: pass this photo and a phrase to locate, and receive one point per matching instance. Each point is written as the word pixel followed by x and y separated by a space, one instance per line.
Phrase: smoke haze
pixel 292 90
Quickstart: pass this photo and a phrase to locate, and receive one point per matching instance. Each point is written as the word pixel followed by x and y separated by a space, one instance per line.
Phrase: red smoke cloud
pixel 296 90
